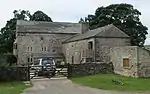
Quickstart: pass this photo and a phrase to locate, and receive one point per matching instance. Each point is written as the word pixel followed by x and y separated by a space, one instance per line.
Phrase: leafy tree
pixel 22 15
pixel 7 33
pixel 125 17
pixel 40 16
pixel 83 20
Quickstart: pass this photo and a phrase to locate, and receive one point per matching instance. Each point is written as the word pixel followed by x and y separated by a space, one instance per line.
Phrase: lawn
pixel 114 82
pixel 12 87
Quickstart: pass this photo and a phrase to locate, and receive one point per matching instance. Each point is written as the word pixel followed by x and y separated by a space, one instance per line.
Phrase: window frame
pixel 90 45
pixel 126 63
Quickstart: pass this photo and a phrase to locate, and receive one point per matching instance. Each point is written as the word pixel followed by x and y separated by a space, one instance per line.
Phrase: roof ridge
pixel 38 22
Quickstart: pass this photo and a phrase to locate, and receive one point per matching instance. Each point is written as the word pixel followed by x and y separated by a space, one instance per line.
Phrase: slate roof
pixel 106 31
pixel 48 27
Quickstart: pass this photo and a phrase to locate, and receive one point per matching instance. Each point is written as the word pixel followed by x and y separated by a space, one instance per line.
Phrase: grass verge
pixel 107 82
pixel 12 87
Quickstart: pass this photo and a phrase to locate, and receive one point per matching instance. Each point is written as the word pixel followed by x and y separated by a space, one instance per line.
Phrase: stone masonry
pixel 74 43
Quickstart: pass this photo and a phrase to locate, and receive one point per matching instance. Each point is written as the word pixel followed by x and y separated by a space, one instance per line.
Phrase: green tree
pixel 40 16
pixel 125 17
pixel 7 33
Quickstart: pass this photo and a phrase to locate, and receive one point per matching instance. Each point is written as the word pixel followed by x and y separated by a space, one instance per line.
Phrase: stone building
pixel 94 45
pixel 131 61
pixel 36 40
pixel 74 43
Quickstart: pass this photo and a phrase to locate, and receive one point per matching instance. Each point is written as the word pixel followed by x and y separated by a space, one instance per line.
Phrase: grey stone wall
pixel 139 60
pixel 103 46
pixel 118 53
pixel 38 45
pixel 143 62
pixel 100 52
pixel 78 50
pixel 89 69
pixel 14 74
pixel 35 39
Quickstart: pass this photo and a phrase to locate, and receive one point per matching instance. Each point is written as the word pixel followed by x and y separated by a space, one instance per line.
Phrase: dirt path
pixel 64 86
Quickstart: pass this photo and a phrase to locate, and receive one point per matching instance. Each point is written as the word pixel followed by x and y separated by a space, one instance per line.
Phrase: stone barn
pixel 94 45
pixel 131 61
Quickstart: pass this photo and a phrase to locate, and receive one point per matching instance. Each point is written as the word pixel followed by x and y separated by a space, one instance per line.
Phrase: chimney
pixel 84 27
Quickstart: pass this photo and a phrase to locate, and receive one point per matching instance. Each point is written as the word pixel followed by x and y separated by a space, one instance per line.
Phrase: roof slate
pixel 50 27
pixel 105 31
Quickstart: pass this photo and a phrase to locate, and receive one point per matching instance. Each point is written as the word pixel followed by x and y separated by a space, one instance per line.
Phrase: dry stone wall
pixel 89 69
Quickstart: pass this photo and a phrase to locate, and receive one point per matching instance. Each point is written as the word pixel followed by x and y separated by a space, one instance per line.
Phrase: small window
pixel 28 59
pixel 72 59
pixel 53 50
pixel 28 48
pixel 31 59
pixel 45 48
pixel 42 49
pixel 31 49
pixel 125 62
pixel 41 38
pixel 90 45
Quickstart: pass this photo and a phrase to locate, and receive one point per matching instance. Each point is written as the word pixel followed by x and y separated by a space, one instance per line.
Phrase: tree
pixel 7 33
pixel 83 20
pixel 123 16
pixel 40 16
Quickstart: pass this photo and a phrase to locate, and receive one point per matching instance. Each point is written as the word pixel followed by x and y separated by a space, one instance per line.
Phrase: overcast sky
pixel 69 10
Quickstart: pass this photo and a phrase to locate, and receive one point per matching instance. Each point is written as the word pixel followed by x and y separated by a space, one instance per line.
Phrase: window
pixel 53 50
pixel 72 59
pixel 31 49
pixel 90 45
pixel 28 48
pixel 41 38
pixel 126 62
pixel 45 48
pixel 31 59
pixel 28 59
pixel 42 49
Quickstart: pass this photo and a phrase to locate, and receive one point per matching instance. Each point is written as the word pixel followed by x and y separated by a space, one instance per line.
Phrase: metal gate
pixel 38 72
pixel 62 71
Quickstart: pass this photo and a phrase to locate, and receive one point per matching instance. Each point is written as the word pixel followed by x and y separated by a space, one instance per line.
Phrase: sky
pixel 70 10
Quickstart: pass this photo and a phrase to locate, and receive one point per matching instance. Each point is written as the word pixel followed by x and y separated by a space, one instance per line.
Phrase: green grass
pixel 104 81
pixel 12 87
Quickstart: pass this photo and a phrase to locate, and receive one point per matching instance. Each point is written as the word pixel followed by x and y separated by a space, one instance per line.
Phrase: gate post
pixel 69 70
pixel 28 68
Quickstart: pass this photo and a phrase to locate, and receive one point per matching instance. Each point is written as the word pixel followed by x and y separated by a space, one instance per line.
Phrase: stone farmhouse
pixel 74 43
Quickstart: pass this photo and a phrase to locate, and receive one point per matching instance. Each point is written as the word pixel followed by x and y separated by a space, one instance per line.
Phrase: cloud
pixel 69 10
